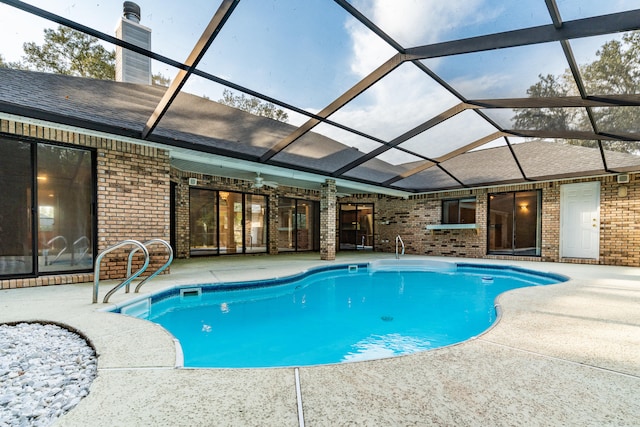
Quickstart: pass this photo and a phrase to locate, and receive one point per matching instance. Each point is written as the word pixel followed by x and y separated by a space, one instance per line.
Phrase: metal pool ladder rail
pixel 96 272
pixel 399 241
pixel 130 276
pixel 158 271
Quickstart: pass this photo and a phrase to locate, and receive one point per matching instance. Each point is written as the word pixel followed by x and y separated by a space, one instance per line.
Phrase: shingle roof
pixel 389 100
pixel 206 126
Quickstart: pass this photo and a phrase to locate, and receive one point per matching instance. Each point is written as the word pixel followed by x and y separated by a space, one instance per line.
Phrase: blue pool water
pixel 334 315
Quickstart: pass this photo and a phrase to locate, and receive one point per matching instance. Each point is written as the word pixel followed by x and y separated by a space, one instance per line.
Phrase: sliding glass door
pixel 16 207
pixel 47 223
pixel 230 222
pixel 255 223
pixel 298 228
pixel 64 208
pixel 203 221
pixel 225 222
pixel 514 223
pixel 356 226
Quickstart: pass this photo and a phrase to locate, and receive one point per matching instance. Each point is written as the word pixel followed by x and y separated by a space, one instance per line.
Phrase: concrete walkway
pixel 565 354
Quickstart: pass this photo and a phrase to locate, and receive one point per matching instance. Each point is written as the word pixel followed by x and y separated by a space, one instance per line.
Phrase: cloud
pixel 418 22
pixel 369 51
pixel 407 97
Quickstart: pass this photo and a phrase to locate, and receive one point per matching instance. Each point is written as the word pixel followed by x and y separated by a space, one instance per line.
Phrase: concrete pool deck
pixel 564 354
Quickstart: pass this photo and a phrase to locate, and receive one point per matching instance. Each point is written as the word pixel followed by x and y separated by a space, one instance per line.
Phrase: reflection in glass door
pixel 514 223
pixel 356 226
pixel 203 222
pixel 307 216
pixel 286 224
pixel 255 218
pixel 230 223
pixel 65 219
pixel 16 175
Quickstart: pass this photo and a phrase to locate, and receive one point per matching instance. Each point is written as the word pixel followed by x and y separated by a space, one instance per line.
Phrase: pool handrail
pixel 399 240
pixel 96 272
pixel 158 271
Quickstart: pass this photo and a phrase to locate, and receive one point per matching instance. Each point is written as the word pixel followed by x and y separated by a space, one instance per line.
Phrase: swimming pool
pixel 333 314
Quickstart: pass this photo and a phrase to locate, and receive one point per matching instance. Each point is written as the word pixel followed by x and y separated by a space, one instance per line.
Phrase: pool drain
pixel 386 318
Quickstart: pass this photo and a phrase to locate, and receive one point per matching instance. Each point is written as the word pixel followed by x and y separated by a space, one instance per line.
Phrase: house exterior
pixel 87 164
pixel 76 180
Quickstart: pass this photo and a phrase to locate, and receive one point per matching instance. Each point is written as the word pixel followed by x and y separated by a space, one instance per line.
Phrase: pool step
pixel 411 264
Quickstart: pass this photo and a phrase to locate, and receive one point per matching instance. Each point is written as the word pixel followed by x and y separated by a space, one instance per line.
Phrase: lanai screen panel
pixel 430 179
pixel 379 171
pixel 300 53
pixel 545 160
pixel 483 167
pixel 400 101
pixel 317 152
pixel 456 132
pixel 364 85
pixel 502 73
pixel 425 22
pixel 577 9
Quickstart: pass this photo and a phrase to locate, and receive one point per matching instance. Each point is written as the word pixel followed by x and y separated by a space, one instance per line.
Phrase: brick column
pixel 328 220
pixel 272 246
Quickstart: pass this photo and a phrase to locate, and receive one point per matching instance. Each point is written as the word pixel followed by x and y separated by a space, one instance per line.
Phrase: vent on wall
pixel 623 178
pixel 193 181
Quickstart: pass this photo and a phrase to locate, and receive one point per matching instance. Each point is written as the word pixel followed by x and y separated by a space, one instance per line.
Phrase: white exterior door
pixel 580 220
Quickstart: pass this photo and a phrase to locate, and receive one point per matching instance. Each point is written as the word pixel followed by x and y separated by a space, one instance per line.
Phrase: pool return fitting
pixel 130 277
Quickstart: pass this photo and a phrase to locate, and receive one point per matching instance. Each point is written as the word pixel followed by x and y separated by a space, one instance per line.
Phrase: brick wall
pixel 133 203
pixel 619 223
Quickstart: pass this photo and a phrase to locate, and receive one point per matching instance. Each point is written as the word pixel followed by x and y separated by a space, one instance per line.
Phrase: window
pixel 514 223
pixel 459 211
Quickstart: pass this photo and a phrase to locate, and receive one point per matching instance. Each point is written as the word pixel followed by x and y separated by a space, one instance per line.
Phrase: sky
pixel 307 53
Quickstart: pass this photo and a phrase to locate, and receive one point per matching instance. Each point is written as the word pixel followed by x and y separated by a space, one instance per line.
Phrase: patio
pixel 565 354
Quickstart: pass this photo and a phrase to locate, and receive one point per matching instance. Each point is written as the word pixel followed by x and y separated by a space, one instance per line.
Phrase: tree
pixel 615 71
pixel 160 80
pixel 70 52
pixel 253 105
pixel 4 64
pixel 545 118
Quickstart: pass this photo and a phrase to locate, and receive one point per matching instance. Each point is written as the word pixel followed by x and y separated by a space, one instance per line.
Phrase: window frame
pixel 514 249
